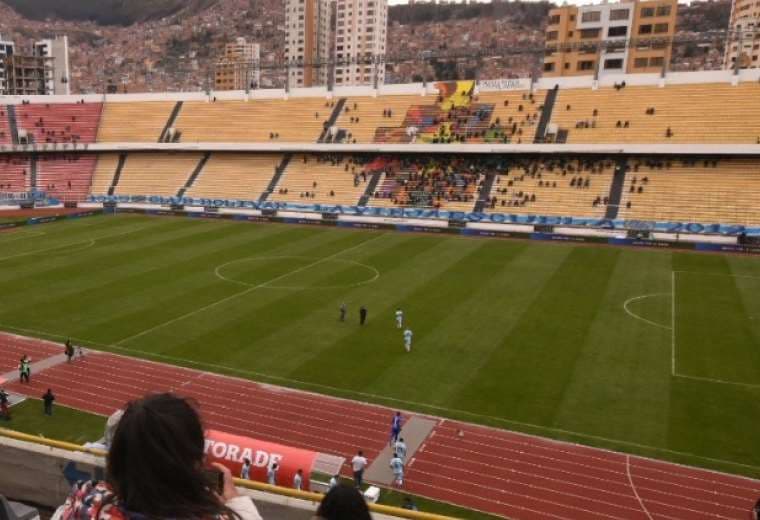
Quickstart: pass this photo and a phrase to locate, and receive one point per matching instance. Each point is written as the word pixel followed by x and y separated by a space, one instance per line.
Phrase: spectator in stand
pixel 358 464
pixel 47 399
pixel 155 469
pixel 343 503
pixel 334 481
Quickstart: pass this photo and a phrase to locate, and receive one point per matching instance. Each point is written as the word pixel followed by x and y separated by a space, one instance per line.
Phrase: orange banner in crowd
pixel 230 450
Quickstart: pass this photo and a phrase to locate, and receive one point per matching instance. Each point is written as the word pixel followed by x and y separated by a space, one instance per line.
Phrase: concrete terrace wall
pixel 506 84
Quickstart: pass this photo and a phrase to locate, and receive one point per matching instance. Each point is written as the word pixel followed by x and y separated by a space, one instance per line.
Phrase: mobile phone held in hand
pixel 214 480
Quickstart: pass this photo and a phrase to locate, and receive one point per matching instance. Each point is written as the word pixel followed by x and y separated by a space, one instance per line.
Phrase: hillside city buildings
pixel 744 50
pixel 613 38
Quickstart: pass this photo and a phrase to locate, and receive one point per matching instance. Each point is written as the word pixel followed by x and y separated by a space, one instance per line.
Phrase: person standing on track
pixel 358 464
pixel 68 349
pixel 47 400
pixel 397 465
pixel 245 473
pixel 362 315
pixel 25 369
pixel 272 474
pixel 396 424
pixel 298 480
pixel 399 448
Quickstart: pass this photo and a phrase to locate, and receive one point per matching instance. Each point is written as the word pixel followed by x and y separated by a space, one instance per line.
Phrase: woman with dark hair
pixel 343 503
pixel 155 469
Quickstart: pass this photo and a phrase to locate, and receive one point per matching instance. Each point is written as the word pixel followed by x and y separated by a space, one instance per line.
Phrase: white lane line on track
pixel 245 375
pixel 633 486
pixel 247 291
pixel 636 316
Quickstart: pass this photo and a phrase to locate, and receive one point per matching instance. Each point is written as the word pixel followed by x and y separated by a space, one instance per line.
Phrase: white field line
pixel 673 324
pixel 243 293
pixel 19 235
pixel 218 273
pixel 633 486
pixel 89 242
pixel 634 315
pixel 674 371
pixel 410 404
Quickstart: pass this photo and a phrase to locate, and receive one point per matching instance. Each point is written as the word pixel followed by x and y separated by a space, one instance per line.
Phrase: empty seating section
pixel 517 113
pixel 362 116
pixel 66 177
pixel 59 122
pixel 104 173
pixel 329 180
pixel 447 183
pixel 156 173
pixel 724 191
pixel 253 121
pixel 700 113
pixel 235 176
pixel 553 187
pixel 15 174
pixel 134 122
pixel 5 127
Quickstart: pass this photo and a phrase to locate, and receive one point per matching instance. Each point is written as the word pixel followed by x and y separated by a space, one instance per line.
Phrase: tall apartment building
pixel 745 28
pixel 42 71
pixel 239 68
pixel 58 50
pixel 360 39
pixel 6 49
pixel 628 37
pixel 309 30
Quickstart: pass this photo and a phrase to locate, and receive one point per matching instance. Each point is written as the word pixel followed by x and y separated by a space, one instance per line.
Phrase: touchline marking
pixel 413 404
pixel 220 268
pixel 633 487
pixel 634 315
pixel 243 293
pixel 673 324
pixel 720 274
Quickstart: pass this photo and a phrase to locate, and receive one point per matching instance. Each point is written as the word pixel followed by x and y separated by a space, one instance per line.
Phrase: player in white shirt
pixel 397 465
pixel 399 318
pixel 408 340
pixel 298 480
pixel 358 463
pixel 399 448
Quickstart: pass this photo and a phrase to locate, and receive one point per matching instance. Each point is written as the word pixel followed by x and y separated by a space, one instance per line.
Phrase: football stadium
pixel 532 297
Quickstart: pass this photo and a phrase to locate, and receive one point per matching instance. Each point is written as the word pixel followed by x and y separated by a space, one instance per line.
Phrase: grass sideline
pixel 520 335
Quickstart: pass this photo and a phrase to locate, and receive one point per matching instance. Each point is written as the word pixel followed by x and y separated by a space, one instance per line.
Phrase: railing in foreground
pixel 248 484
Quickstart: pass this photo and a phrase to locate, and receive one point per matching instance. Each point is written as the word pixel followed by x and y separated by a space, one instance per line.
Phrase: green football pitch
pixel 647 351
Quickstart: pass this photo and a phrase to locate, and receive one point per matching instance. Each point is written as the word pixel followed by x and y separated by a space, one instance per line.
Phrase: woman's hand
pixel 229 491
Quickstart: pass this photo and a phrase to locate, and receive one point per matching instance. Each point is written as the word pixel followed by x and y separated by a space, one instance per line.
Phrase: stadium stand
pixel 59 122
pixel 362 116
pixel 156 173
pixel 697 113
pixel 553 187
pixel 448 182
pixel 327 179
pixel 295 120
pixel 103 175
pixel 134 122
pixel 66 177
pixel 235 176
pixel 5 127
pixel 15 174
pixel 722 191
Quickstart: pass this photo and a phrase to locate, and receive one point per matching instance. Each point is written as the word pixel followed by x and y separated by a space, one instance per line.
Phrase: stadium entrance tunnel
pixel 297 272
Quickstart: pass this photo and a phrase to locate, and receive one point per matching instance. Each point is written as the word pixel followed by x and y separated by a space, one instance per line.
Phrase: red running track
pixel 501 472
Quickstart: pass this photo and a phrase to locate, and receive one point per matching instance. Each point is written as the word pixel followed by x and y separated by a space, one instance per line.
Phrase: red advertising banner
pixel 230 450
